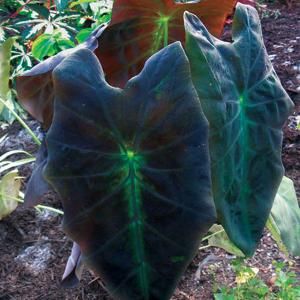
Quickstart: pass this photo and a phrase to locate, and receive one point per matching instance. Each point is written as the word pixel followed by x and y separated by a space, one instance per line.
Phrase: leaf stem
pixel 58 211
pixel 204 247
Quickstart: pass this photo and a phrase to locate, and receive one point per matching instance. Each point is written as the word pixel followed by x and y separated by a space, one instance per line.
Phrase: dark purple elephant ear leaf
pixel 246 107
pixel 132 168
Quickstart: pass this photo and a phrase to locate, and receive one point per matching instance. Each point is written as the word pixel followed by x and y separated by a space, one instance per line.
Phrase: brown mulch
pixel 26 230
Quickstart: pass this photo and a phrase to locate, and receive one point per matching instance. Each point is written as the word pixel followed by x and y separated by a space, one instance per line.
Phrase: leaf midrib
pixel 136 229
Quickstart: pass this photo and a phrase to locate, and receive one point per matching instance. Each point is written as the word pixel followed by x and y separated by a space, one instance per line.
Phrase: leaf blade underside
pixel 132 168
pixel 246 106
pixel 138 29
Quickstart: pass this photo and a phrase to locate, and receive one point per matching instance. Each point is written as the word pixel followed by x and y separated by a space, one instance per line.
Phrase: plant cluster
pixel 156 129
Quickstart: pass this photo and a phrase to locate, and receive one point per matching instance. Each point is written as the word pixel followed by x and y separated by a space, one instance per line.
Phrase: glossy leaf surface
pixel 285 214
pixel 139 28
pixel 246 106
pixel 170 13
pixel 132 169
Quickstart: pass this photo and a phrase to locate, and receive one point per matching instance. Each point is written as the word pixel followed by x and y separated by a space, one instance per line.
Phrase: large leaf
pixel 9 192
pixel 246 106
pixel 5 53
pixel 132 169
pixel 137 30
pixel 285 214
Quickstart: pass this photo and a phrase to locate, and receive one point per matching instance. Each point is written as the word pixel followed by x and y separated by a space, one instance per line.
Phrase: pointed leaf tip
pixel 245 19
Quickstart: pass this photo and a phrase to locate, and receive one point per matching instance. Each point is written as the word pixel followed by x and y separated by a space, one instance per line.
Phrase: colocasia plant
pixel 129 150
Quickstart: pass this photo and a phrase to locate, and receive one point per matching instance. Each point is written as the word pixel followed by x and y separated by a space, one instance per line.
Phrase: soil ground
pixel 34 250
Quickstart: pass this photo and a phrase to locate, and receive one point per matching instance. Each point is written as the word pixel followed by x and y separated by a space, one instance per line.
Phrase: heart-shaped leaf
pixel 169 14
pixel 132 169
pixel 246 106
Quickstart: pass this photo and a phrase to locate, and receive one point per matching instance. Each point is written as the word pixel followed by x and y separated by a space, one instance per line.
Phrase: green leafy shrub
pixel 38 32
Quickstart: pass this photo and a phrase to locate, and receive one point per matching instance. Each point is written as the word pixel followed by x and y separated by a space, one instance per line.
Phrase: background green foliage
pixel 33 30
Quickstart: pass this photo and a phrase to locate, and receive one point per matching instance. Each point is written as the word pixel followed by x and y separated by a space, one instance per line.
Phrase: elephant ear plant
pixel 132 165
pixel 246 107
pixel 132 168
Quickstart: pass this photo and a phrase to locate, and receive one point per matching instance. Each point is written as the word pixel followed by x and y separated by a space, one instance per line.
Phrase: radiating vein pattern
pixel 132 169
pixel 246 107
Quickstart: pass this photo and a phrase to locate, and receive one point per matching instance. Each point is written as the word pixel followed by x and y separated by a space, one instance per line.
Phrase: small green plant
pixel 249 286
pixel 286 283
